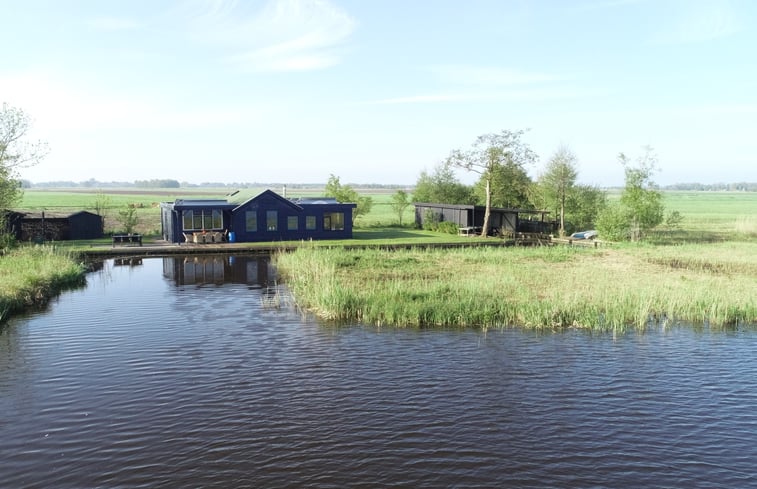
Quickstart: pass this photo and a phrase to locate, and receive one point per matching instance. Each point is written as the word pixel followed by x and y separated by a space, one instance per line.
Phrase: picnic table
pixel 127 239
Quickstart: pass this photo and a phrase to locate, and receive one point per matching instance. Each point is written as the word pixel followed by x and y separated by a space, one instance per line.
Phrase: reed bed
pixel 551 287
pixel 30 276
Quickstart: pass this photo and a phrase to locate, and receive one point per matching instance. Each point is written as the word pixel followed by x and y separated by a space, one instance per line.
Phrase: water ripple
pixel 140 381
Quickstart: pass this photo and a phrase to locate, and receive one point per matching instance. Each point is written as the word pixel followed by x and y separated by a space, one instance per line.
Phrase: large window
pixel 272 220
pixel 292 223
pixel 251 221
pixel 310 223
pixel 208 219
pixel 333 221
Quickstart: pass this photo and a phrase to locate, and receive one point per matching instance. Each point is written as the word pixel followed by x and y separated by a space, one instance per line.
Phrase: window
pixel 333 221
pixel 292 223
pixel 187 224
pixel 202 219
pixel 251 221
pixel 197 221
pixel 272 220
pixel 310 223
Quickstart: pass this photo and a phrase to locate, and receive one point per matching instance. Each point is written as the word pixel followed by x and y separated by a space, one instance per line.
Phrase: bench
pixel 127 239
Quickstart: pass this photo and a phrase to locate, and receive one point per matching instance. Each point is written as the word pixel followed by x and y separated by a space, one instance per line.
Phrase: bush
pixel 447 227
pixel 612 223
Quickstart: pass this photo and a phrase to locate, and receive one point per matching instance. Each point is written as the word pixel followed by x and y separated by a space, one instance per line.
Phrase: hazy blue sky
pixel 379 90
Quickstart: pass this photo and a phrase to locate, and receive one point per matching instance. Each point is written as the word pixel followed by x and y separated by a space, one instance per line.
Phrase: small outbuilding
pixel 501 220
pixel 53 225
pixel 266 217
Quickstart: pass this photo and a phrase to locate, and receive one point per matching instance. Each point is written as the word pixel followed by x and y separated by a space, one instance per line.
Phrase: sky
pixel 378 91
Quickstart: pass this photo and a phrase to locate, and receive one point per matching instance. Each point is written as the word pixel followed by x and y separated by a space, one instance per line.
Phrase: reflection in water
pixel 219 269
pixel 127 262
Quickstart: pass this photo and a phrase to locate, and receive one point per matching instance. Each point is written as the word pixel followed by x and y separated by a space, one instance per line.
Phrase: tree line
pixel 501 161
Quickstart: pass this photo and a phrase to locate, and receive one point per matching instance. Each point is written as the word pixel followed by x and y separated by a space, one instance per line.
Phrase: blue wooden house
pixel 265 217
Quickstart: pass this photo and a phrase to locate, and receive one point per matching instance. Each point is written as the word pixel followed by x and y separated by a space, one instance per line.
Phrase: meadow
pixel 146 202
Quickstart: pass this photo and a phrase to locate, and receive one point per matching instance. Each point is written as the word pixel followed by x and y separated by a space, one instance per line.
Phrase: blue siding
pixel 269 201
pixel 235 219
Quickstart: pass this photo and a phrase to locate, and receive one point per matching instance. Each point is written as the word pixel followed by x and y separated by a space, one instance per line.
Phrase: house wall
pixel 172 222
pixel 322 216
pixel 291 220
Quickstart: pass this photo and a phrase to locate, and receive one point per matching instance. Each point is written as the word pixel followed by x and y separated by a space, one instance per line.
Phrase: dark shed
pixel 54 225
pixel 501 220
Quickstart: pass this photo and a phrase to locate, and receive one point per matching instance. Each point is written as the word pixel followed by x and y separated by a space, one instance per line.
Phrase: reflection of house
pixel 218 269
pixel 501 220
pixel 265 217
pixel 54 225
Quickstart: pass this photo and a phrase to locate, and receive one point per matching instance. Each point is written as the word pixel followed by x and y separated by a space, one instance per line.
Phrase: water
pixel 169 372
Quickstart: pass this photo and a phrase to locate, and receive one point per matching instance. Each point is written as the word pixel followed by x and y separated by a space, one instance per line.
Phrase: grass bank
pixel 551 287
pixel 31 275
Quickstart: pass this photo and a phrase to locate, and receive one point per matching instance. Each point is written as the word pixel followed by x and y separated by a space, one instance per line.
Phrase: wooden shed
pixel 501 220
pixel 53 225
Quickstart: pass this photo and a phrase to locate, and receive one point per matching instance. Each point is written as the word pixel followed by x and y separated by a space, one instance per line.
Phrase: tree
pixel 510 187
pixel 558 181
pixel 489 153
pixel 442 187
pixel 15 152
pixel 128 218
pixel 101 203
pixel 640 207
pixel 640 197
pixel 612 223
pixel 345 193
pixel 400 202
pixel 584 204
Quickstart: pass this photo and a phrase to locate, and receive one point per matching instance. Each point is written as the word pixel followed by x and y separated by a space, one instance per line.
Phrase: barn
pixel 53 225
pixel 501 220
pixel 266 217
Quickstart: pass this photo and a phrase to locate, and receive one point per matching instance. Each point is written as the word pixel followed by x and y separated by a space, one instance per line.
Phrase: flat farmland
pixel 146 201
pixel 707 216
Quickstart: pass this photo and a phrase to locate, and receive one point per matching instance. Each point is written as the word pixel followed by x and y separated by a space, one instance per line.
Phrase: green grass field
pixel 707 216
pixel 715 215
pixel 146 201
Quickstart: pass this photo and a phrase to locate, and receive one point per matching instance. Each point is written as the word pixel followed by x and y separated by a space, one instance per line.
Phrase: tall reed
pixel 552 287
pixel 31 275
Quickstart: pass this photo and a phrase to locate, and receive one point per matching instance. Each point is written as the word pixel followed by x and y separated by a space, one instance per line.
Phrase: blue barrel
pixel 232 237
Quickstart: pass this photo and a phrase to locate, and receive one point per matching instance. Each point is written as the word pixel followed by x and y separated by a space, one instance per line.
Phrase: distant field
pixel 147 203
pixel 707 216
pixel 711 216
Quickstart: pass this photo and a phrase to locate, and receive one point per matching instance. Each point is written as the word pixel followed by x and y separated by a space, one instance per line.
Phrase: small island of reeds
pixel 31 275
pixel 540 287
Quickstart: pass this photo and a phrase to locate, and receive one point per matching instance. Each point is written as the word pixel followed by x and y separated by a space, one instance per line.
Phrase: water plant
pixel 551 287
pixel 31 275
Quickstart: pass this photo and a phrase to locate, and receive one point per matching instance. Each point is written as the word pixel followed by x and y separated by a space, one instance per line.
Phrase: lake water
pixel 197 372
